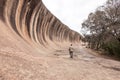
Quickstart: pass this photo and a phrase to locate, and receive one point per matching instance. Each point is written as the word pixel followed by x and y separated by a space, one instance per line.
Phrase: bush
pixel 112 47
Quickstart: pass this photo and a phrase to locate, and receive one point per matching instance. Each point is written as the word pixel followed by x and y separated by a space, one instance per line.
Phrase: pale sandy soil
pixel 20 61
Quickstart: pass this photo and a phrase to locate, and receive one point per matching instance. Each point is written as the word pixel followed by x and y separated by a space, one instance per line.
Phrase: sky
pixel 72 12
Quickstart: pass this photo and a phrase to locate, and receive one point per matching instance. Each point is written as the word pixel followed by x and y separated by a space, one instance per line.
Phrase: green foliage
pixel 113 47
pixel 103 27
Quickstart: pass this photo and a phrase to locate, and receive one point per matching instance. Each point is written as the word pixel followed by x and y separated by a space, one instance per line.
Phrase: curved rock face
pixel 31 20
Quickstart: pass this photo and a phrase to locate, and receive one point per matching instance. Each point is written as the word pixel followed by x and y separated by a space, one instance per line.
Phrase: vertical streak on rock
pixel 31 20
pixel 2 6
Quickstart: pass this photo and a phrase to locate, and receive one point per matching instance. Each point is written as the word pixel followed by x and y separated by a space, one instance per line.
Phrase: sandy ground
pixel 21 66
pixel 20 61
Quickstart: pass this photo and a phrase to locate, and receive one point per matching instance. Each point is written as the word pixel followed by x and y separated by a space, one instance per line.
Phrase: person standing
pixel 71 51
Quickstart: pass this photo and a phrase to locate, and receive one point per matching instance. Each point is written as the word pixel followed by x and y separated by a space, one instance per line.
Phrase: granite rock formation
pixel 33 22
pixel 34 46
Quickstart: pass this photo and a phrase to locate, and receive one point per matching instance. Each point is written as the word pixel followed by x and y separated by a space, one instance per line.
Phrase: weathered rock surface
pixel 28 31
pixel 34 23
pixel 34 46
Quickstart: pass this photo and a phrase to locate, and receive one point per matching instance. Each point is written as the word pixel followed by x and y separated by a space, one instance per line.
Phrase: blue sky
pixel 72 12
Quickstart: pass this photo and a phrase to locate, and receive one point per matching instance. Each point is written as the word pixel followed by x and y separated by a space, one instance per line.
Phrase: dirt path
pixel 84 66
pixel 57 66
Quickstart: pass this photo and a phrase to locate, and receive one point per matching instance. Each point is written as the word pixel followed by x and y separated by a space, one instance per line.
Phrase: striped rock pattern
pixel 33 22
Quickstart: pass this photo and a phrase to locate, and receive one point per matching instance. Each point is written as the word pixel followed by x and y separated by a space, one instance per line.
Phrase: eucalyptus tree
pixel 103 27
